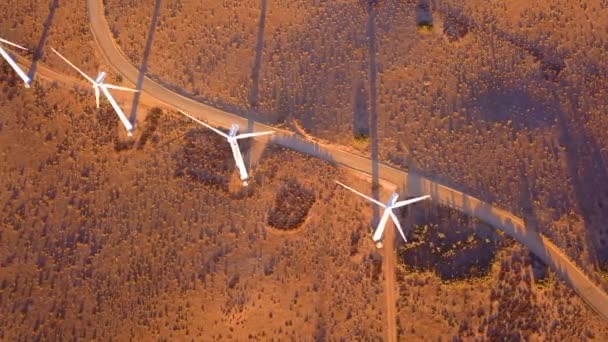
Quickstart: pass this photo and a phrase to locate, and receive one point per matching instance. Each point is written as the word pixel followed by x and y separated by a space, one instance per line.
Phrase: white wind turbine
pixel 388 211
pixel 99 85
pixel 233 138
pixel 26 79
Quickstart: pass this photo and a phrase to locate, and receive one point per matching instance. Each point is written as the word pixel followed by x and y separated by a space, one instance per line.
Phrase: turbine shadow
pixel 373 112
pixel 144 64
pixel 457 24
pixel 424 15
pixel 259 50
pixel 45 33
pixel 588 171
pixel 255 73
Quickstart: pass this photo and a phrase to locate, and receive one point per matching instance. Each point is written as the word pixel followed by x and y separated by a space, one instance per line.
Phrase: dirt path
pixel 47 74
pixel 414 184
pixel 390 265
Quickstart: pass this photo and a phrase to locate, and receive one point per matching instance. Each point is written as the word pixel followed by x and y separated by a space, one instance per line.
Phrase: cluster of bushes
pixel 291 206
pixel 211 166
pixel 450 244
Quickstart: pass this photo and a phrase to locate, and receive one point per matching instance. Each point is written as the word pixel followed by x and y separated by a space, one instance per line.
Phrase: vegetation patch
pixel 107 129
pixel 551 69
pixel 106 132
pixel 454 29
pixel 361 139
pixel 450 244
pixel 291 206
pixel 150 125
pixel 123 145
pixel 206 158
pixel 604 273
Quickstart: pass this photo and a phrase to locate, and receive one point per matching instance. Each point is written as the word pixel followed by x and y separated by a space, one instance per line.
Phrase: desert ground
pixel 503 100
pixel 152 238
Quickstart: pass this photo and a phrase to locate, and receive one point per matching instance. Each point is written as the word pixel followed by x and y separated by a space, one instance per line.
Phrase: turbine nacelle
pixel 234 129
pixel 100 77
pixel 392 200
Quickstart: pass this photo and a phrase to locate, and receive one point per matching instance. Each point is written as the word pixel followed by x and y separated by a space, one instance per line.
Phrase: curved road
pixel 415 184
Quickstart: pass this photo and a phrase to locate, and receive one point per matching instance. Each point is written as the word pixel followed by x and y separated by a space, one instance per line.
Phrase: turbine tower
pixel 26 79
pixel 233 138
pixel 388 212
pixel 99 85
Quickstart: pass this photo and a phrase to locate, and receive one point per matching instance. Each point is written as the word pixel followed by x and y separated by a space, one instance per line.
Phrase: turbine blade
pixel 362 195
pixel 206 125
pixel 381 226
pixel 16 67
pixel 410 201
pixel 238 159
pixel 251 135
pixel 111 86
pixel 12 44
pixel 398 225
pixel 73 66
pixel 119 112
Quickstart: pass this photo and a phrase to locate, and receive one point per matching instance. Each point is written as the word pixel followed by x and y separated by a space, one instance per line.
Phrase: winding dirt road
pixel 414 184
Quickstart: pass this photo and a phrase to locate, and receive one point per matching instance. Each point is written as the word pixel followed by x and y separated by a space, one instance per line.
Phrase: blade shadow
pixel 373 111
pixel 45 33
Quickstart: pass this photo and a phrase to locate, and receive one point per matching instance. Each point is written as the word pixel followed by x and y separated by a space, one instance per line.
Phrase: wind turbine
pixel 99 85
pixel 26 79
pixel 388 211
pixel 233 138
